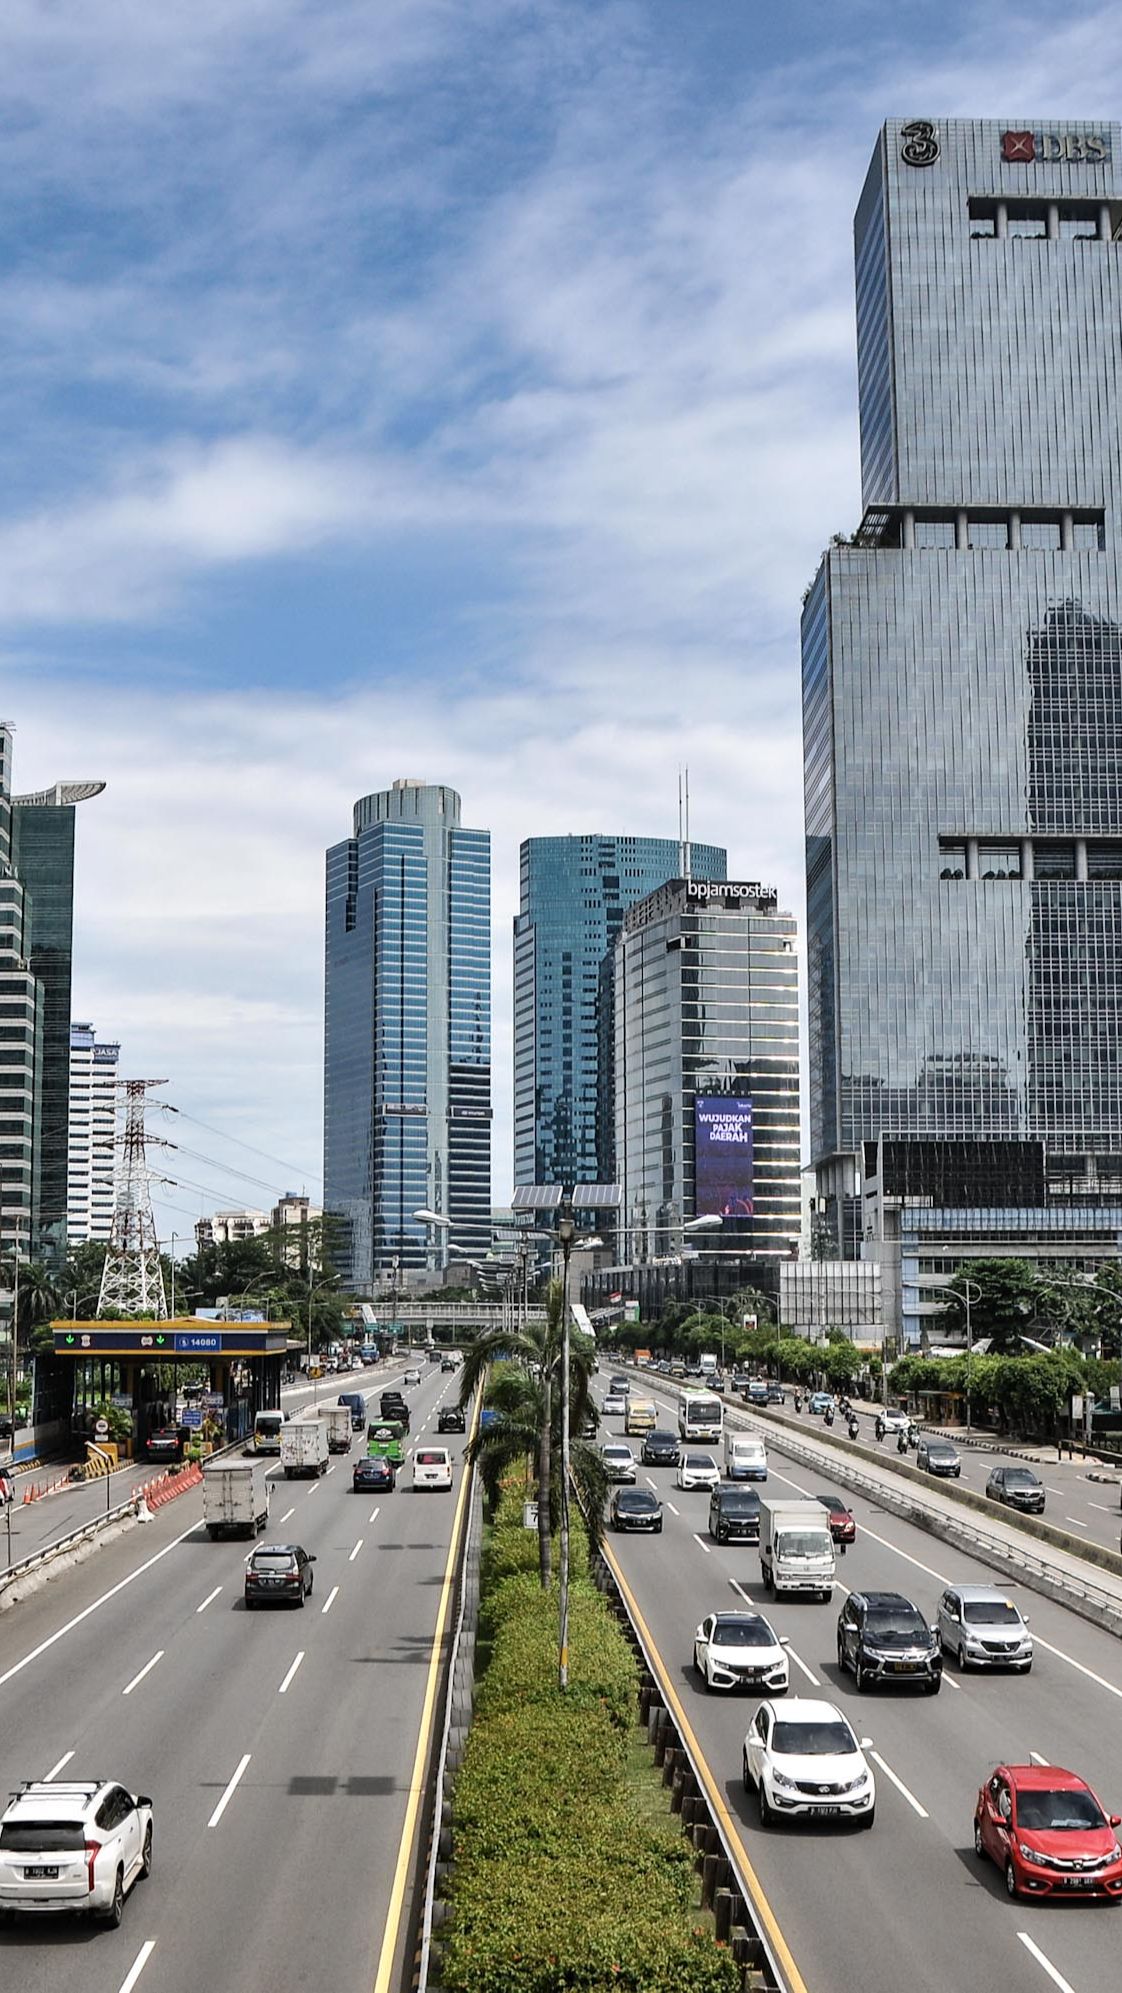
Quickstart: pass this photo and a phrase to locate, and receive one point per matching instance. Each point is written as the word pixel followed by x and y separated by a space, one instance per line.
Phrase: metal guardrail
pixel 60 1544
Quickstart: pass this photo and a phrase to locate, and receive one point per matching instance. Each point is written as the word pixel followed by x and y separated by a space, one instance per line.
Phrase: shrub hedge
pixel 558 1882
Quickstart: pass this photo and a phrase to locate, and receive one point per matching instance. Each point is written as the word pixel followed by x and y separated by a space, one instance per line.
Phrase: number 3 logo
pixel 920 147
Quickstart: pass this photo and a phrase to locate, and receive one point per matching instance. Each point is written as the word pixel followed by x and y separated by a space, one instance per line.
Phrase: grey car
pixel 938 1456
pixel 1018 1488
pixel 980 1626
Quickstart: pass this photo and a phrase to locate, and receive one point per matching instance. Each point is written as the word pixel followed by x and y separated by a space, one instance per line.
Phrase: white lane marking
pixel 1074 1520
pixel 1103 1507
pixel 355 1551
pixel 138 1965
pixel 283 1689
pixel 746 1596
pixel 209 1599
pixel 900 1786
pixel 287 1513
pixel 329 1601
pixel 1037 1759
pixel 229 1792
pixel 18 1666
pixel 330 1470
pixel 786 1478
pixel 1054 1491
pixel 949 1682
pixel 1110 1687
pixel 704 1546
pixel 839 1587
pixel 673 1510
pixel 314 1489
pixel 61 1765
pixel 649 1482
pixel 374 1514
pixel 146 1670
pixel 1057 1978
pixel 800 1663
pixel 905 1554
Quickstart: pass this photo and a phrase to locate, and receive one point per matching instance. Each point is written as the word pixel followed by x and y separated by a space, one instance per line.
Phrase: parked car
pixel 982 1628
pixel 661 1448
pixel 892 1420
pixel 883 1637
pixel 698 1470
pixel 734 1515
pixel 78 1846
pixel 636 1508
pixel 375 1475
pixel 804 1761
pixel 619 1461
pixel 938 1456
pixel 450 1419
pixel 735 1650
pixel 1048 1833
pixel 280 1573
pixel 1018 1487
pixel 843 1529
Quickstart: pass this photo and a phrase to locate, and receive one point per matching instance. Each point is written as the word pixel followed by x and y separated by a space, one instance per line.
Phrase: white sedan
pixel 698 1470
pixel 733 1650
pixel 805 1762
pixel 619 1462
pixel 615 1405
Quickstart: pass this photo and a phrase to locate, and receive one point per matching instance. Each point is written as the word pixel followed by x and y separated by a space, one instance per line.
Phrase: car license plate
pixel 40 1874
pixel 905 1667
pixel 827 1809
pixel 1079 1881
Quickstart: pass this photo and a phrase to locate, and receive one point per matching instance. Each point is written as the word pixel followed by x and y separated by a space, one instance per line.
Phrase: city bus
pixel 701 1416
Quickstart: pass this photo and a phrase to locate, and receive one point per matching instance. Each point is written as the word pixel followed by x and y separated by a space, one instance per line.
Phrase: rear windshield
pixel 276 1560
pixel 1058 1812
pixel 990 1612
pixel 431 1459
pixel 813 1740
pixel 43 1837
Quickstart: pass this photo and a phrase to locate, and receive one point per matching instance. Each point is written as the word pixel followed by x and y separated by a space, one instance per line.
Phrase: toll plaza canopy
pixel 140 1366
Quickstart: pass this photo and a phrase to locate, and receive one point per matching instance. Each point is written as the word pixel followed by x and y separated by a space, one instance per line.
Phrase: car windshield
pixel 1019 1477
pixel 834 1502
pixel 742 1502
pixel 43 1837
pixel 941 1449
pixel 900 1623
pixel 743 1633
pixel 813 1740
pixel 660 1438
pixel 617 1452
pixel 699 1460
pixel 636 1501
pixel 1053 1812
pixel 272 1560
pixel 803 1542
pixel 990 1612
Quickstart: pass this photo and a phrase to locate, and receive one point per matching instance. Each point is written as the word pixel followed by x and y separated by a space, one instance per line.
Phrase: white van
pixel 432 1467
pixel 745 1457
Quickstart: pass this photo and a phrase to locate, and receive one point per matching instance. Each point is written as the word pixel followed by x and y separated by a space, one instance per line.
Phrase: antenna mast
pixel 132 1279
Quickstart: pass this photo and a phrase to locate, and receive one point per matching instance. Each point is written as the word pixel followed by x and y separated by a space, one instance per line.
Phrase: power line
pixel 306 1176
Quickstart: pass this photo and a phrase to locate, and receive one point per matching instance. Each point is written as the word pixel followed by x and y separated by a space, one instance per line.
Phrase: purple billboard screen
pixel 722 1156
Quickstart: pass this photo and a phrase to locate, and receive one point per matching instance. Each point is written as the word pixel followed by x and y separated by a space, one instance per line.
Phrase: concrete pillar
pixel 1028 865
pixel 908 534
pixel 1015 531
pixel 1081 858
pixel 1001 221
pixel 971 857
pixel 1067 532
pixel 1105 229
pixel 1053 222
pixel 961 535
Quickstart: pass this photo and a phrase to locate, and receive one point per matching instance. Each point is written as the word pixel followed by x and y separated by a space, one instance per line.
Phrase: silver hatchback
pixel 981 1628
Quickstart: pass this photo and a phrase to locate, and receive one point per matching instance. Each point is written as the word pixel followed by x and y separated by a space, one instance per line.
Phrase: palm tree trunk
pixel 545 1539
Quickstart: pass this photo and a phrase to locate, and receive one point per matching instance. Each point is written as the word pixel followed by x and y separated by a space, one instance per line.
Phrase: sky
pixel 463 392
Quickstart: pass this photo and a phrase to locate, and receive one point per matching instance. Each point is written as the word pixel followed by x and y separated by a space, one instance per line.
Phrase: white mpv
pixel 432 1467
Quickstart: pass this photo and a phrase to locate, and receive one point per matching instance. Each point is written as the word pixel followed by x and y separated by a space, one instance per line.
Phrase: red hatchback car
pixel 843 1529
pixel 1047 1833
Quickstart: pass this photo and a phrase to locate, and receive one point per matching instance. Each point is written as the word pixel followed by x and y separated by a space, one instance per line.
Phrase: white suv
pixel 74 1847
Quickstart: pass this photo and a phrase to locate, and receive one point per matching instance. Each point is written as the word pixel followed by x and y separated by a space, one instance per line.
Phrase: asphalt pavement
pixel 279 1747
pixel 907 1905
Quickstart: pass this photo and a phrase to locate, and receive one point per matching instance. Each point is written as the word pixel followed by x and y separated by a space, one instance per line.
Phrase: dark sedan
pixel 374 1476
pixel 634 1508
pixel 163 1443
pixel 660 1448
pixel 451 1419
pixel 278 1573
pixel 843 1529
pixel 1017 1488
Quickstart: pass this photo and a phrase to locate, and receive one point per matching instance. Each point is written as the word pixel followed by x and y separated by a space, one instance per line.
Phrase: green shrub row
pixel 558 1881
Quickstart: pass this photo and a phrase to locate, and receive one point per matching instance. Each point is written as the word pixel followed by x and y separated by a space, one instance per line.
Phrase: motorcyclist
pixel 798 1401
pixel 902 1441
pixel 854 1428
pixel 829 1415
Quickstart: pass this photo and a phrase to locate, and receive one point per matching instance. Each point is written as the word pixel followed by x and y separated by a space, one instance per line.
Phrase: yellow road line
pixel 392 1932
pixel 795 1981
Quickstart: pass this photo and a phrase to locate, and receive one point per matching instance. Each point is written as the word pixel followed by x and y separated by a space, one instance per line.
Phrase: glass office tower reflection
pixel 407 1033
pixel 962 672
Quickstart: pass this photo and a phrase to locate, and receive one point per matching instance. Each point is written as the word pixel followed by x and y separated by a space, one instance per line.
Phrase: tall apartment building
pixel 288 1221
pixel 407 1035
pixel 707 1071
pixel 962 703
pixel 574 894
pixel 91 1155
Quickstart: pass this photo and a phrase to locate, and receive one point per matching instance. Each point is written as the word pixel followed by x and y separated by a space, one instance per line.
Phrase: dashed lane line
pixel 284 1687
pixel 209 1599
pixel 229 1792
pixel 329 1601
pixel 1057 1978
pixel 138 1965
pixel 146 1670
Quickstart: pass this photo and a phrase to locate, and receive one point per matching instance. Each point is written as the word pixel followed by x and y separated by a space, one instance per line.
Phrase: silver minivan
pixel 981 1627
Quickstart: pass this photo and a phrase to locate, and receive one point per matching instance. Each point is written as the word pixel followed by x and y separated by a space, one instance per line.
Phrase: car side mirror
pixel 1116 1819
pixel 311 1558
pixel 866 1743
pixel 700 1634
pixel 1025 1617
pixel 935 1627
pixel 142 1799
pixel 784 1640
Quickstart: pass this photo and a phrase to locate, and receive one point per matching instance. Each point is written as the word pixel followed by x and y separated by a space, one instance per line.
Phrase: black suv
pixel 661 1448
pixel 392 1405
pixel 280 1572
pixel 450 1419
pixel 1017 1488
pixel 734 1515
pixel 883 1637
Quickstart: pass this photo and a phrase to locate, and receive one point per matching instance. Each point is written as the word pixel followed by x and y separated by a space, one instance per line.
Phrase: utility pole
pixel 132 1280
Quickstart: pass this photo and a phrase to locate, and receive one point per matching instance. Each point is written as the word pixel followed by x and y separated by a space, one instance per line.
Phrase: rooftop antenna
pixel 687 856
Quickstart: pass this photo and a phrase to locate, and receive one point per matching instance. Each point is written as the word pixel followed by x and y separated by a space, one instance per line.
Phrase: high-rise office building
pixel 962 696
pixel 574 893
pixel 42 850
pixel 707 1072
pixel 407 1040
pixel 92 1129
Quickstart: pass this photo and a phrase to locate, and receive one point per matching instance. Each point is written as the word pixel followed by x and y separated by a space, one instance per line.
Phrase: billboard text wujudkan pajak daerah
pixel 722 1156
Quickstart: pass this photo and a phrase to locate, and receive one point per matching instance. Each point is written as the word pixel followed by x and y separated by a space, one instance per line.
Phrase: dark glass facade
pixel 43 851
pixel 574 894
pixel 962 670
pixel 407 1032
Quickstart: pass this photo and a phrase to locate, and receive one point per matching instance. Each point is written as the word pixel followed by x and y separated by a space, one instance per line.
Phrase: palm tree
pixel 527 1422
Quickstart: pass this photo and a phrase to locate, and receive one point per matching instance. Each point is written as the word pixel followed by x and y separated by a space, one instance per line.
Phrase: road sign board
pixel 101 1429
pixel 191 1415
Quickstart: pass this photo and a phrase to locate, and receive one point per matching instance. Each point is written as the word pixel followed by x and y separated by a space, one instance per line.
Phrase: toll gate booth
pixel 141 1368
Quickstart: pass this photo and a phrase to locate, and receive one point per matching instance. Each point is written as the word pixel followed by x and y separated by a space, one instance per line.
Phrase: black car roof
pixel 833 1501
pixel 739 1496
pixel 888 1601
pixel 636 1497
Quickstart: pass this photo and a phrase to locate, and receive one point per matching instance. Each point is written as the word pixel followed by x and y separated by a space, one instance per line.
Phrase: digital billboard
pixel 722 1156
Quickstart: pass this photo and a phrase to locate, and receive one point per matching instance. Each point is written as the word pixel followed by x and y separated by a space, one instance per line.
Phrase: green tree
pixel 1005 1296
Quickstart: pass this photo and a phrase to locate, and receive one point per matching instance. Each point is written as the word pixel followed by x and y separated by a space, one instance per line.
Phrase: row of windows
pixel 951 528
pixel 996 219
pixel 1032 858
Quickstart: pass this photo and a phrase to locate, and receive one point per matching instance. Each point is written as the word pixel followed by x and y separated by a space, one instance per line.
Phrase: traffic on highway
pixel 948 1888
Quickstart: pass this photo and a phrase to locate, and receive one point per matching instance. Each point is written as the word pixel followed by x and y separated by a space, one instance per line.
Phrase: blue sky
pixel 427 389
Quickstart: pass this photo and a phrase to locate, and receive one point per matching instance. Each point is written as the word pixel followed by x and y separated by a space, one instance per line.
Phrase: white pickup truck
pixel 303 1447
pixel 235 1497
pixel 796 1548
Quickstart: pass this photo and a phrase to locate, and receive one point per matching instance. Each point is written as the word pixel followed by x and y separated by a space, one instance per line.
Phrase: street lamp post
pixel 174 1243
pixel 566 1229
pixel 970 1292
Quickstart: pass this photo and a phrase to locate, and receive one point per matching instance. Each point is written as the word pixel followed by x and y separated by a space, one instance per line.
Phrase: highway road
pixel 907 1905
pixel 280 1747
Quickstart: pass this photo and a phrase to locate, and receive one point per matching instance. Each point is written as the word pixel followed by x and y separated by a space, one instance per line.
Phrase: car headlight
pixel 855 1784
pixel 1115 1853
pixel 781 1779
pixel 1030 1855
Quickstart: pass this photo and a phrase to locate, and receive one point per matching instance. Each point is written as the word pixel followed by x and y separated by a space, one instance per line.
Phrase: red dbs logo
pixel 1018 145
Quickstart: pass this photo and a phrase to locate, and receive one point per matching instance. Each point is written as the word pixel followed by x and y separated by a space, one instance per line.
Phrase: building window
pixel 1041 535
pixel 999 861
pixel 988 532
pixel 1054 861
pixel 934 532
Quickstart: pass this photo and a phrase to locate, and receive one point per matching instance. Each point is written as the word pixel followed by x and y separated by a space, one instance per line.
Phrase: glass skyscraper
pixel 962 686
pixel 574 893
pixel 407 1033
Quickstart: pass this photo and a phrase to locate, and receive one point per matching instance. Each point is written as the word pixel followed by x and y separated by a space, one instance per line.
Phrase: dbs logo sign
pixel 1028 148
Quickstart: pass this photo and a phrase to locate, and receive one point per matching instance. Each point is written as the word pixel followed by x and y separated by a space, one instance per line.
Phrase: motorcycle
pixel 829 1415
pixel 902 1442
pixel 854 1429
pixel 798 1402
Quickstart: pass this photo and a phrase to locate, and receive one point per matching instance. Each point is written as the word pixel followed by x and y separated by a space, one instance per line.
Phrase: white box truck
pixel 709 1363
pixel 745 1456
pixel 337 1419
pixel 235 1497
pixel 303 1447
pixel 796 1548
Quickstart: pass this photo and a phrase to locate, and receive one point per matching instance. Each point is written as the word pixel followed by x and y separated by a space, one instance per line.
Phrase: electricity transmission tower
pixel 132 1280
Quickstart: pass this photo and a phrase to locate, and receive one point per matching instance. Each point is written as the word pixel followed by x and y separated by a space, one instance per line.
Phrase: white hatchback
pixel 432 1467
pixel 698 1470
pixel 805 1762
pixel 734 1650
pixel 73 1847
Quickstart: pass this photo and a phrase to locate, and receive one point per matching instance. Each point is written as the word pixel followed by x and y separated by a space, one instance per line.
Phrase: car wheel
pixel 960 1660
pixel 1027 1668
pixel 860 1677
pixel 745 1773
pixel 146 1852
pixel 658 1529
pixel 934 1687
pixel 1011 1888
pixel 766 1814
pixel 841 1657
pixel 116 1908
pixel 979 1844
pixel 303 1599
pixel 249 1604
